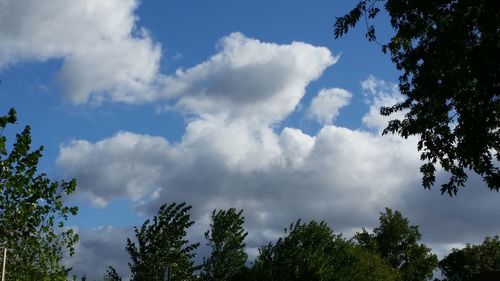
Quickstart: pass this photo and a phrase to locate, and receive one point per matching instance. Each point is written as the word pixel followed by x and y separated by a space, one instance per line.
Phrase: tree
pixel 32 212
pixel 245 274
pixel 313 252
pixel 369 266
pixel 225 238
pixel 447 52
pixel 465 263
pixel 396 241
pixel 161 244
pixel 112 275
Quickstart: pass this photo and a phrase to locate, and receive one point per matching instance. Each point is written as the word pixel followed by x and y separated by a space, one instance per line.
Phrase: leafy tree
pixel 313 252
pixel 465 263
pixel 304 254
pixel 225 238
pixel 396 241
pixel 161 244
pixel 369 266
pixel 112 275
pixel 245 274
pixel 32 212
pixel 447 52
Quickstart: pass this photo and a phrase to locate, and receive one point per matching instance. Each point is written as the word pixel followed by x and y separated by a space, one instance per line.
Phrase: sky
pixel 245 104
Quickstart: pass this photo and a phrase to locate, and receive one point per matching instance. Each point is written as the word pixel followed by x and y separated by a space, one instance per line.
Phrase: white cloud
pixel 249 79
pixel 243 162
pixel 133 166
pixel 379 93
pixel 236 95
pixel 274 178
pixel 246 164
pixel 326 105
pixel 104 53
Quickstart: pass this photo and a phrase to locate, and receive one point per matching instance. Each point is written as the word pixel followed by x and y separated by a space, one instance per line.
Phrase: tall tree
pixel 464 264
pixel 162 246
pixel 226 239
pixel 304 254
pixel 313 252
pixel 32 212
pixel 396 241
pixel 447 52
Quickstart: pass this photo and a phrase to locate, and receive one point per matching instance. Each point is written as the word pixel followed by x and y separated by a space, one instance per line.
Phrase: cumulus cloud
pixel 236 95
pixel 325 177
pixel 275 176
pixel 141 158
pixel 104 53
pixel 326 105
pixel 249 79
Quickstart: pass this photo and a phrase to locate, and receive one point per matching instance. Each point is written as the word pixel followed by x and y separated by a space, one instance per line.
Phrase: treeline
pixel 308 251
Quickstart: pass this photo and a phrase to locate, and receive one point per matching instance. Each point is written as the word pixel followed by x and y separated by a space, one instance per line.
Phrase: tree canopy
pixel 161 246
pixel 311 251
pixel 396 241
pixel 226 239
pixel 447 54
pixel 32 212
pixel 466 263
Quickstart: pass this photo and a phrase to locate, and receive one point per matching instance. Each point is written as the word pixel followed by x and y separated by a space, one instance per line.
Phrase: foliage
pixel 225 239
pixel 32 212
pixel 305 254
pixel 396 241
pixel 313 252
pixel 447 52
pixel 369 266
pixel 161 244
pixel 112 275
pixel 244 274
pixel 463 264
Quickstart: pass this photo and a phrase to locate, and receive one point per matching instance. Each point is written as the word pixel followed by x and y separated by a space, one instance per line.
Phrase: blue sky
pixel 250 104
